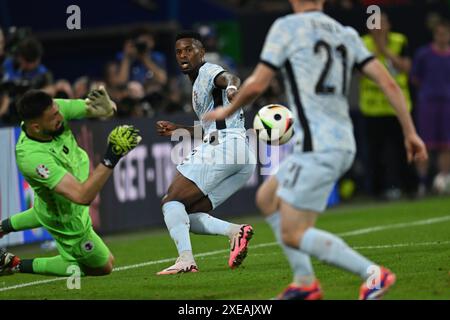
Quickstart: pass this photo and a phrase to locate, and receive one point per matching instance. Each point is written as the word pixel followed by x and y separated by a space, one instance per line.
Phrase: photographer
pixel 138 61
pixel 22 72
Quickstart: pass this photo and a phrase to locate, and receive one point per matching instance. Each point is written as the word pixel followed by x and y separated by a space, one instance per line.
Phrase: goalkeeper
pixel 58 171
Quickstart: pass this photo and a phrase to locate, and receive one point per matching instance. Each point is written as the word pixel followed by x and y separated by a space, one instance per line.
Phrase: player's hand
pixel 231 93
pixel 99 104
pixel 165 128
pixel 415 148
pixel 219 113
pixel 121 140
pixel 129 50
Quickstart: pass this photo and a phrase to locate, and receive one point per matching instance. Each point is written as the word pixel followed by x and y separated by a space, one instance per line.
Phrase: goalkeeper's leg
pixel 22 221
pixel 88 256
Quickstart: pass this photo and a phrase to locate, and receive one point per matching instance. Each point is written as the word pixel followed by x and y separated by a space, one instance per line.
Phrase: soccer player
pixel 317 55
pixel 209 175
pixel 58 171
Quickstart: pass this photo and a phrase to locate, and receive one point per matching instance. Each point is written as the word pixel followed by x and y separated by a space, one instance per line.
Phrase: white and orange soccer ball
pixel 274 124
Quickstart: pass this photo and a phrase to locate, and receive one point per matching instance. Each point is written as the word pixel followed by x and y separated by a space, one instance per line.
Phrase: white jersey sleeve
pixel 361 53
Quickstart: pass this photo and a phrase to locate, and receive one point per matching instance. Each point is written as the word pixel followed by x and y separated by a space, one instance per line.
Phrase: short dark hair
pixel 33 104
pixel 189 34
pixel 30 49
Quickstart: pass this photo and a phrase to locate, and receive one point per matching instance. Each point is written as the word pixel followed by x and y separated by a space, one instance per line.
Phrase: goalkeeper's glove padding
pixel 121 140
pixel 99 104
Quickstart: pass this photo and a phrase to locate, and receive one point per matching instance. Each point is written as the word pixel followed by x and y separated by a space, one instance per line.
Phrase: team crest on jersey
pixel 88 246
pixel 43 171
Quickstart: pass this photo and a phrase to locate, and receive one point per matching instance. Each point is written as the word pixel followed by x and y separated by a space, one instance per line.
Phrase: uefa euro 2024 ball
pixel 441 183
pixel 274 124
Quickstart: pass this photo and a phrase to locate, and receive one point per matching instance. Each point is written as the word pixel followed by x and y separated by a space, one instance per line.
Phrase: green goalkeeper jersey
pixel 44 164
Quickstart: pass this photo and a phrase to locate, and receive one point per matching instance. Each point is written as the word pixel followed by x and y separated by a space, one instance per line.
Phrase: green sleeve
pixel 41 168
pixel 72 108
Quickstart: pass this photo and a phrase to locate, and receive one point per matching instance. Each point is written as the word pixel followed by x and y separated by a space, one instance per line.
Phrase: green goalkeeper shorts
pixel 89 250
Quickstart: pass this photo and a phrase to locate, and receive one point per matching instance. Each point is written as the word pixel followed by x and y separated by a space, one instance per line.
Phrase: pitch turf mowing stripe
pixel 139 265
pixel 345 234
pixel 395 226
pixel 382 246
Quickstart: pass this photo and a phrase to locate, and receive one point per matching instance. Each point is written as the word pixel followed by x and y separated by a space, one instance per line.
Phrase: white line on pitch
pixel 345 234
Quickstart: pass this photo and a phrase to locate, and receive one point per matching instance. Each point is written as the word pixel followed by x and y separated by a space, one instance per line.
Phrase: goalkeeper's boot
pixel 295 292
pixel 378 287
pixel 239 246
pixel 9 263
pixel 180 266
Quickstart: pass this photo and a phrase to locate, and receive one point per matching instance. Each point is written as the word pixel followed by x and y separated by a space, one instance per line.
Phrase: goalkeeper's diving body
pixel 58 171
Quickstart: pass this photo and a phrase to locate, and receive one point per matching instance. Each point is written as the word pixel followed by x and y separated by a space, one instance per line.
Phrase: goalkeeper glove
pixel 99 103
pixel 121 140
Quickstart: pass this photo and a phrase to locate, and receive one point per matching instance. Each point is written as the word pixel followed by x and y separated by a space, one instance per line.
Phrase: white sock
pixel 333 250
pixel 203 223
pixel 177 222
pixel 300 262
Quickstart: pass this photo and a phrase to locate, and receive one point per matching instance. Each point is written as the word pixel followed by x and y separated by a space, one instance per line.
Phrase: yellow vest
pixel 372 101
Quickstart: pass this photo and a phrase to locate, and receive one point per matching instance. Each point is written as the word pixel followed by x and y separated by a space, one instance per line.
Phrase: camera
pixel 141 46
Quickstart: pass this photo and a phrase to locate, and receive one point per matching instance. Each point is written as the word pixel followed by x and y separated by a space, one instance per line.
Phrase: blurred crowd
pixel 139 81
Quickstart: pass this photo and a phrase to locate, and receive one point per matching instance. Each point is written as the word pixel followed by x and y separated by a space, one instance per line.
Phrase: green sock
pixel 25 220
pixel 56 266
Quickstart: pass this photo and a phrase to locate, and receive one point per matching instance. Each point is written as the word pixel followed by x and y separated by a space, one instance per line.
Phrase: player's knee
pixel 168 198
pixel 291 236
pixel 108 269
pixel 112 260
pixel 266 203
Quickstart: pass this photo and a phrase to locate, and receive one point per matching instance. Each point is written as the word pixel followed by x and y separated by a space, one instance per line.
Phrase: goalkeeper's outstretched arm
pixel 120 141
pixel 99 104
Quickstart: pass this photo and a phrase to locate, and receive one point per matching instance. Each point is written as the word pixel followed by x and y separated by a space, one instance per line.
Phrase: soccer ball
pixel 441 183
pixel 274 124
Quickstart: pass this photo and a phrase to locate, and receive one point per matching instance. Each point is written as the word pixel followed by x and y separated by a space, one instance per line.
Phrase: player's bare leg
pixel 298 232
pixel 304 283
pixel 201 222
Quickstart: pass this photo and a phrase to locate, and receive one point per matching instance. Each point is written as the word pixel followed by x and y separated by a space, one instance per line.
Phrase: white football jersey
pixel 206 96
pixel 316 54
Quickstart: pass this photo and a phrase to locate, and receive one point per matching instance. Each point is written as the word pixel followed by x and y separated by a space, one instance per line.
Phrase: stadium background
pixel 130 200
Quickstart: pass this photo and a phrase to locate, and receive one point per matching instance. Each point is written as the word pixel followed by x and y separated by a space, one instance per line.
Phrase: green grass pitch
pixel 412 238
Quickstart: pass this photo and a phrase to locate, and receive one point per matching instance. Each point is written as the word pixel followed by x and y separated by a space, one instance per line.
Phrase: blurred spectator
pixel 81 87
pixel 26 65
pixel 388 170
pixel 117 90
pixel 431 70
pixel 139 62
pixel 63 90
pixel 24 71
pixel 142 65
